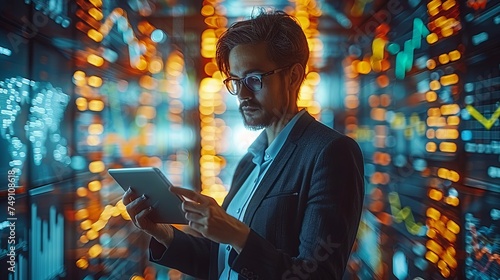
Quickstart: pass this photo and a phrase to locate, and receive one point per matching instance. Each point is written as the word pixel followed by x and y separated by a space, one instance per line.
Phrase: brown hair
pixel 285 40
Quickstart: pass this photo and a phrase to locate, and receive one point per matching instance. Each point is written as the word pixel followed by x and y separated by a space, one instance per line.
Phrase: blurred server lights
pixel 89 85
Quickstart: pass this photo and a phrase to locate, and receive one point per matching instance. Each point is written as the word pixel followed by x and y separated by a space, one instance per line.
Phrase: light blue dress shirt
pixel 263 158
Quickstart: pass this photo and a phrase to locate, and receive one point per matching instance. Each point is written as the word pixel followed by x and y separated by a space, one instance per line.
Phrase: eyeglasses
pixel 252 81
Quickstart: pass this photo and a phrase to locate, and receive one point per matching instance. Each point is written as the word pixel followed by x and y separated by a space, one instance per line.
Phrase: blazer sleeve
pixel 330 222
pixel 187 253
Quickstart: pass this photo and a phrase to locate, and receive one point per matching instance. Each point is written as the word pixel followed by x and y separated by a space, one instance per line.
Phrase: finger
pixel 196 197
pixel 188 206
pixel 136 206
pixel 195 217
pixel 129 196
pixel 141 219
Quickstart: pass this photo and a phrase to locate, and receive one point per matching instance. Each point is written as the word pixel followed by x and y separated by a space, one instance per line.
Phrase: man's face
pixel 261 108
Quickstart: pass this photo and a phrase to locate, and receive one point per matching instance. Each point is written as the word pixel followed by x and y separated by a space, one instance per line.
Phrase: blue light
pixel 466 135
pixel 158 36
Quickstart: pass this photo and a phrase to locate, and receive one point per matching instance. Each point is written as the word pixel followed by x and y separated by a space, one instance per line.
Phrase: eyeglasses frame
pixel 260 76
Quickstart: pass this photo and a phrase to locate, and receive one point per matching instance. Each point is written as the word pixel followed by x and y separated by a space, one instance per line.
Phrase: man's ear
pixel 297 76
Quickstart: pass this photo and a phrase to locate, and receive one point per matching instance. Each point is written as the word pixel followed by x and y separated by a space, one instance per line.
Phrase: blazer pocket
pixel 280 195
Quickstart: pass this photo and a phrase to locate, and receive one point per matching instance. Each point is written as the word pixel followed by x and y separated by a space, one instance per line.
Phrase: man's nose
pixel 244 93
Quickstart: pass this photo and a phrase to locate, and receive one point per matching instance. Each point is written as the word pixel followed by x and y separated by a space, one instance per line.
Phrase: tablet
pixel 153 183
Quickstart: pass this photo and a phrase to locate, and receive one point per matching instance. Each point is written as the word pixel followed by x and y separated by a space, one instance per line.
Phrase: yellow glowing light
pixel 351 102
pixel 95 128
pixel 450 260
pixel 431 256
pixel 363 67
pixel 94 81
pixel 431 233
pixel 434 247
pixel 92 234
pixel 448 4
pixel 96 3
pixel 149 112
pixel 85 225
pixel 82 263
pixel 447 32
pixel 434 85
pixel 79 75
pixel 431 64
pixel 436 195
pixel 94 186
pixel 95 13
pixel 95 35
pixel 453 120
pixel 452 200
pixel 451 251
pixel 81 103
pixel 81 192
pixel 141 64
pixel 93 140
pixel 431 147
pixel 155 66
pixel 83 239
pixel 431 133
pixel 454 55
pixel 433 213
pixel 207 10
pixel 453 227
pixel 449 79
pixel 95 251
pixel 96 105
pixel 448 147
pixel 96 166
pixel 444 58
pixel 95 60
pixel 378 114
pixel 432 38
pixel 434 112
pixel 431 96
pixel 447 133
pixel 82 214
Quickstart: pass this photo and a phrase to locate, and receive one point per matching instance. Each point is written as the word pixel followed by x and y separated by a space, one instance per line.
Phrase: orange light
pixel 444 58
pixel 448 147
pixel 95 35
pixel 436 195
pixel 454 55
pixel 431 256
pixel 430 147
pixel 432 38
pixel 449 79
pixel 453 227
pixel 433 213
pixel 431 64
pixel 96 166
pixel 95 13
pixel 434 85
pixel 431 96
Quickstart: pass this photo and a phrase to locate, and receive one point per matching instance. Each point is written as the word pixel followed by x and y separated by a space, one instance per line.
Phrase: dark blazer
pixel 303 216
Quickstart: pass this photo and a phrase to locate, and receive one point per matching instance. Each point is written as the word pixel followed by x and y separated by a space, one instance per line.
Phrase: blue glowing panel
pixel 14 107
pixel 482 235
pixel 49 122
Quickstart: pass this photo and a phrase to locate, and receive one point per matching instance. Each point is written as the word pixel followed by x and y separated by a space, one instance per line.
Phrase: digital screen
pixel 49 122
pixel 15 90
pixel 481 216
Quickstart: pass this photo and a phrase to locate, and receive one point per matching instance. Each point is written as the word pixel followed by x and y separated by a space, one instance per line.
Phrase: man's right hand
pixel 138 210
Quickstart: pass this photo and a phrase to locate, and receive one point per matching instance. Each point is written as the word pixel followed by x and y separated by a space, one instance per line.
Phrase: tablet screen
pixel 151 182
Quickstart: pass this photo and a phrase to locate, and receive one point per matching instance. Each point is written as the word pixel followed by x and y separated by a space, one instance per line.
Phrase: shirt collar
pixel 260 147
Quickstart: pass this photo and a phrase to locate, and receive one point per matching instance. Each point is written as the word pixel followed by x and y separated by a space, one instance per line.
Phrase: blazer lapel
pixel 240 175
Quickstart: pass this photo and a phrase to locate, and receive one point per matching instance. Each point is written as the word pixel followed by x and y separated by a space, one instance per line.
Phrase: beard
pixel 257 118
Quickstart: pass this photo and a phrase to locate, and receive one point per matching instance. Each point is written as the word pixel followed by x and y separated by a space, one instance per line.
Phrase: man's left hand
pixel 208 218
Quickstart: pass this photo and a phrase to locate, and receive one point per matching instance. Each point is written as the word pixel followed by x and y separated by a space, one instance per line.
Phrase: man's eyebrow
pixel 246 72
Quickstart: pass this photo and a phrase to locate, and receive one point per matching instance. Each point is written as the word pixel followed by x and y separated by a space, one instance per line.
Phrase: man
pixel 296 197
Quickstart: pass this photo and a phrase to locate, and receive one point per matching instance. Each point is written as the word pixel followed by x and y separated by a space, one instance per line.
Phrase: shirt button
pixel 228 248
pixel 238 211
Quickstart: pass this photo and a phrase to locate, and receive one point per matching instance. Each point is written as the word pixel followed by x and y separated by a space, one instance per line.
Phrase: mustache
pixel 249 104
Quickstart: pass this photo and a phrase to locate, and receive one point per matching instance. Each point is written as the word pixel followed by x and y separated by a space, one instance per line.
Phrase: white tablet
pixel 153 183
